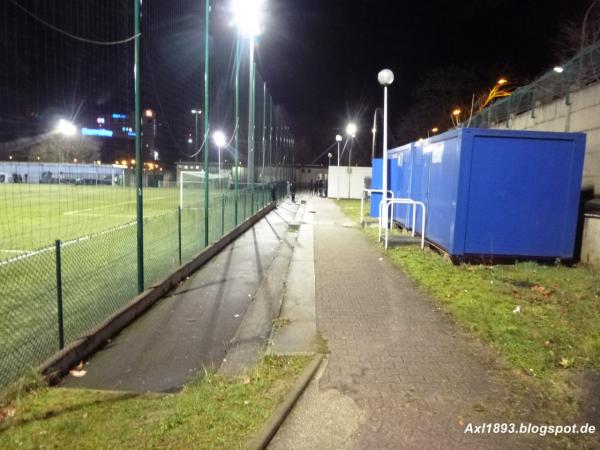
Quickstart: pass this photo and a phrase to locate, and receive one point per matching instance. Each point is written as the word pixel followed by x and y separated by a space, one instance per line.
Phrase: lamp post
pixel 456 117
pixel 351 130
pixel 220 141
pixel 433 131
pixel 338 139
pixel 385 78
pixel 196 113
pixel 65 129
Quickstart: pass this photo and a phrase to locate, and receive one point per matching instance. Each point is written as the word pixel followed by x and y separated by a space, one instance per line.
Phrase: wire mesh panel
pixel 74 217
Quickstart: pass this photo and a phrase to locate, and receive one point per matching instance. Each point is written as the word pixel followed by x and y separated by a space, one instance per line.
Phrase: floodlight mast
pixel 220 141
pixel 248 17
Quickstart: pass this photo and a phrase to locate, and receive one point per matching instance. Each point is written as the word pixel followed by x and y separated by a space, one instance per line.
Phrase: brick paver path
pixel 418 380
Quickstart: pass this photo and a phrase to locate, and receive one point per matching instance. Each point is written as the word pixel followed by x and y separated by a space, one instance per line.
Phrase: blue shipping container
pixel 495 192
pixel 401 161
pixel 376 183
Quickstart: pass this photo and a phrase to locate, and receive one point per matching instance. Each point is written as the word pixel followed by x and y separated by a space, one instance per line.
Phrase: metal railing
pixel 408 201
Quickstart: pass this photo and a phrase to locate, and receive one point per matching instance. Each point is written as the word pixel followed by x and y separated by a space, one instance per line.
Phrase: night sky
pixel 322 56
pixel 319 58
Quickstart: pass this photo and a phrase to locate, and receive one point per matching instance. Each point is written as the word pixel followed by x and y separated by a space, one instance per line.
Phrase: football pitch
pixel 97 228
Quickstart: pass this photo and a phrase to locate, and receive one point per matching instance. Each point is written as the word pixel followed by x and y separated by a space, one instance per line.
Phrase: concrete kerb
pixel 60 363
pixel 268 431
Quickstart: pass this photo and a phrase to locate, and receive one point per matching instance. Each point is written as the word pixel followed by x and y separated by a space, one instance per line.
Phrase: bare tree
pixel 58 148
pixel 576 35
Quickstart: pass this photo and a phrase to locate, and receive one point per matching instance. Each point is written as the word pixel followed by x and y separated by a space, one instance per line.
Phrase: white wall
pixel 583 114
pixel 349 181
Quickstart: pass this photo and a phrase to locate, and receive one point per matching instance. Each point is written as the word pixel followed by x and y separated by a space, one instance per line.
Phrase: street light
pixel 455 117
pixel 351 129
pixel 220 141
pixel 559 69
pixel 385 78
pixel 338 139
pixel 502 81
pixel 248 17
pixel 65 128
pixel 434 130
pixel 196 113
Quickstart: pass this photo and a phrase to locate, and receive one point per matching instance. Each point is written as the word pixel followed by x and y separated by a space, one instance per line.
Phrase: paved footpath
pixel 400 375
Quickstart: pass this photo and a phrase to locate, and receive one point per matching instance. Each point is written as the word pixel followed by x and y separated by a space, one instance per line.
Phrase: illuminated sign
pixel 100 120
pixel 96 132
pixel 119 116
pixel 131 133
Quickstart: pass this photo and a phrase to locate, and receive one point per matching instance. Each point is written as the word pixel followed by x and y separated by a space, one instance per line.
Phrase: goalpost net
pixel 191 189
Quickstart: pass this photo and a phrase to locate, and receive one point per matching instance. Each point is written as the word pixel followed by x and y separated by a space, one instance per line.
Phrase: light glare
pixel 248 16
pixel 351 129
pixel 65 128
pixel 219 139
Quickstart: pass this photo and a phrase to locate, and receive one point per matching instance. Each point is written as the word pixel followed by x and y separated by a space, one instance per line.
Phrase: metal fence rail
pixel 580 71
pixel 102 105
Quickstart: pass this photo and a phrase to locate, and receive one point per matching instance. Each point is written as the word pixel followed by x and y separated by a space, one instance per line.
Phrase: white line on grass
pixel 64 244
pixel 79 211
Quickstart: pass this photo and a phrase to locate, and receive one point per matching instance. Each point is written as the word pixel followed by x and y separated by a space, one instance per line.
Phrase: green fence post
pixel 179 231
pixel 138 149
pixel 207 12
pixel 59 297
pixel 223 216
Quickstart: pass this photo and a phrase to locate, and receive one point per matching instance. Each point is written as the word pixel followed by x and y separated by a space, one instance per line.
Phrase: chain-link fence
pixel 580 71
pixel 104 192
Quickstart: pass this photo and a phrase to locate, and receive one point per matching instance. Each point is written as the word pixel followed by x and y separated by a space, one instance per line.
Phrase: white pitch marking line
pixel 79 211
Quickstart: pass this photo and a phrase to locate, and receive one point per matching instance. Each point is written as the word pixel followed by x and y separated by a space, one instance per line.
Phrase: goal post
pixel 190 181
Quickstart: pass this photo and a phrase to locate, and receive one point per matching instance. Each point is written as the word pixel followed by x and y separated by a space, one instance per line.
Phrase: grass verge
pixel 214 412
pixel 542 319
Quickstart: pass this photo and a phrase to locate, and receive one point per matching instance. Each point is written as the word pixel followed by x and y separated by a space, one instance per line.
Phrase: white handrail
pixel 362 201
pixel 408 201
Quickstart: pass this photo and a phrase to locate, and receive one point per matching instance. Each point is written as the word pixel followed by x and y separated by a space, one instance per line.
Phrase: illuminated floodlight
pixel 351 129
pixel 65 128
pixel 248 16
pixel 338 138
pixel 559 69
pixel 219 139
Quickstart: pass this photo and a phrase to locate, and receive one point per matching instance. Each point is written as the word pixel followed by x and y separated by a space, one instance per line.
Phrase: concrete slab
pixel 190 329
pixel 296 330
pixel 320 420
pixel 253 334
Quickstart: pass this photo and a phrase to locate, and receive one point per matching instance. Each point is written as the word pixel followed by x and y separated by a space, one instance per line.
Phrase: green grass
pixel 99 263
pixel 214 412
pixel 555 334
